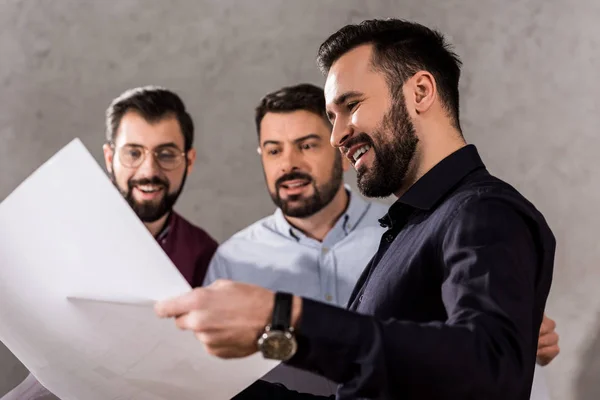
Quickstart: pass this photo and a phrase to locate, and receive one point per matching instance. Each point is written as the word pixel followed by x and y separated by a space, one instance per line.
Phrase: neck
pixel 318 225
pixel 158 225
pixel 432 149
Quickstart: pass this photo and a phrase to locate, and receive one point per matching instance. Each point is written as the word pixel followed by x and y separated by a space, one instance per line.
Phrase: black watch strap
pixel 282 311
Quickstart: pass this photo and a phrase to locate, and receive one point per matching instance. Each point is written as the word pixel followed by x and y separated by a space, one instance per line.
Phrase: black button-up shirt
pixel 450 306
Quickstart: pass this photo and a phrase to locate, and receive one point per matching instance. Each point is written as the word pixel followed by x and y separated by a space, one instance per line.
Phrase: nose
pixel 290 160
pixel 149 167
pixel 341 132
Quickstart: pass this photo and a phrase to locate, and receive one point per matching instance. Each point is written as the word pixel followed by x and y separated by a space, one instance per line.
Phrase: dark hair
pixel 153 103
pixel 400 49
pixel 304 96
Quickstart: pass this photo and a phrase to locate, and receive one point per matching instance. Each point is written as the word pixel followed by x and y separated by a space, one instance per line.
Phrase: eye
pixel 331 117
pixel 132 152
pixel 167 155
pixel 308 146
pixel 351 105
pixel 272 152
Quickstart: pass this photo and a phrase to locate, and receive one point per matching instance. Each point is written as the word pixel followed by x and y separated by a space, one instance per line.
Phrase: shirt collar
pixel 357 207
pixel 436 183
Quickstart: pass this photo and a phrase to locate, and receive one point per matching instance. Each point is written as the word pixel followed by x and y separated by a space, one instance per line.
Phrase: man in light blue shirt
pixel 322 234
pixel 310 245
pixel 274 253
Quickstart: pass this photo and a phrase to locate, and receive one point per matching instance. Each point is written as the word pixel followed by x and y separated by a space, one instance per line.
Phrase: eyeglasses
pixel 133 155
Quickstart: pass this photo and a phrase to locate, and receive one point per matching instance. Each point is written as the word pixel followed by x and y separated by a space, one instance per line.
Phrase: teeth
pixel 360 152
pixel 295 185
pixel 149 188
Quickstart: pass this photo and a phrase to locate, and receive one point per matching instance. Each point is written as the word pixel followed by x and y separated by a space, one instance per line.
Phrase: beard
pixel 392 156
pixel 152 210
pixel 297 206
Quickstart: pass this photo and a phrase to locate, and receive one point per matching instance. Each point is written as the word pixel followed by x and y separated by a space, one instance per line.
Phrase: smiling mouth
pixel 149 188
pixel 358 153
pixel 294 184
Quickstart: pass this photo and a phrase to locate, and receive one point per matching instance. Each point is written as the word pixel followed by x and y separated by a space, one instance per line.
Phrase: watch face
pixel 277 345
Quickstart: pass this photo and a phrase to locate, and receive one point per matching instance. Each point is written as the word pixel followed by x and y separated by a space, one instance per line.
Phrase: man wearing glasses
pixel 148 156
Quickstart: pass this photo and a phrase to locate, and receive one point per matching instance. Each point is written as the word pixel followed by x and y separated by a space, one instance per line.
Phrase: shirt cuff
pixel 326 333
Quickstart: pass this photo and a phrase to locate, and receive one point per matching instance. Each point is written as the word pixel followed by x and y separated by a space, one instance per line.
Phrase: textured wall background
pixel 529 91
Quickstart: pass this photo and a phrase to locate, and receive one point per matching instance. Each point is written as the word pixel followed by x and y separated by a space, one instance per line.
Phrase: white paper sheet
pixel 67 232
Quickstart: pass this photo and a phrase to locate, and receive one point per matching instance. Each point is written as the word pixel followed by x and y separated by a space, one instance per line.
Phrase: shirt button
pixel 324 250
pixel 389 238
pixel 328 297
pixel 360 298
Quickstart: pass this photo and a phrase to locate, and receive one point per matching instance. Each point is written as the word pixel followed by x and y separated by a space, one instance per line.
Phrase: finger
pixel 543 361
pixel 177 306
pixel 550 339
pixel 550 351
pixel 213 343
pixel 228 352
pixel 548 325
pixel 216 337
pixel 222 344
pixel 191 321
pixel 546 355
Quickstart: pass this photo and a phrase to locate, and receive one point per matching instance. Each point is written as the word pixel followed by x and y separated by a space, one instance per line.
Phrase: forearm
pixel 391 357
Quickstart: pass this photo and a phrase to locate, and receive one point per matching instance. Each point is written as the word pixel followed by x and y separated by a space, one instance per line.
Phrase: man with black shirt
pixel 451 304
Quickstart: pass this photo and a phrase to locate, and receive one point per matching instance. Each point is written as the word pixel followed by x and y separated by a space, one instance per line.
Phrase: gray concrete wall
pixel 529 93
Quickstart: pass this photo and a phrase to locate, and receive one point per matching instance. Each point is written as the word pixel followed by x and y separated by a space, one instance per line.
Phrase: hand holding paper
pixel 227 317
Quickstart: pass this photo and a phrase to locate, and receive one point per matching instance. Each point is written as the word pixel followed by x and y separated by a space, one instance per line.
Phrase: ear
pixel 108 156
pixel 191 159
pixel 423 91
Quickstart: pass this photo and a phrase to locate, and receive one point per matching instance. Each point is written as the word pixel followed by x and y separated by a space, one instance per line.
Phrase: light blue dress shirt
pixel 273 254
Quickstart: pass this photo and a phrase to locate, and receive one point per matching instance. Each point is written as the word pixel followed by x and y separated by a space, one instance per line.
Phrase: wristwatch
pixel 278 341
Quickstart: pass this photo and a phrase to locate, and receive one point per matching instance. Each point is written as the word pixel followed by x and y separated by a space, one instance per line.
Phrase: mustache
pixel 155 180
pixel 354 140
pixel 291 176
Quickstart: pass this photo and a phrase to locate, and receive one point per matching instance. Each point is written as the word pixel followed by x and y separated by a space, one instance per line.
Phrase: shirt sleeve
pixel 485 347
pixel 217 269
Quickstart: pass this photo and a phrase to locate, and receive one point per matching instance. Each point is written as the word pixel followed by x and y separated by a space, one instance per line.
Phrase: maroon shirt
pixel 190 248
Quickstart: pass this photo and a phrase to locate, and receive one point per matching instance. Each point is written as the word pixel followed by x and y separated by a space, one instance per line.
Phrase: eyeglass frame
pixel 146 150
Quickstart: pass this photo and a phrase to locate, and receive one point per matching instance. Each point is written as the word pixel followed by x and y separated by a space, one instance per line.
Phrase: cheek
pixel 365 119
pixel 270 172
pixel 175 179
pixel 122 176
pixel 320 165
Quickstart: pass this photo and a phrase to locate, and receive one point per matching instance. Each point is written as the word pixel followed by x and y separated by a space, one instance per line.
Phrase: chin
pixel 153 201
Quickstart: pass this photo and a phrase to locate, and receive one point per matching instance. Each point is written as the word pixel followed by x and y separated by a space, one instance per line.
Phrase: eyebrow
pixel 341 99
pixel 160 146
pixel 170 144
pixel 299 140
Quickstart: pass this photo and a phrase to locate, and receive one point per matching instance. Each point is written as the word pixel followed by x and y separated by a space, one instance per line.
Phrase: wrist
pixel 278 342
